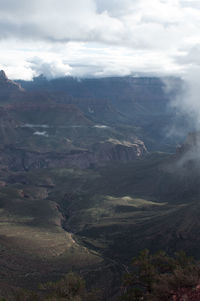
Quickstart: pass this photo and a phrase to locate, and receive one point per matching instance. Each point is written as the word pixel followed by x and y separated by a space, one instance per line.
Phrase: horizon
pixel 141 76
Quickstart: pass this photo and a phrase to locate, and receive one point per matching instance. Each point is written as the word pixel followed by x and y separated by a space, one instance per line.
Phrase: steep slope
pixel 123 208
pixel 9 90
pixel 141 102
pixel 52 135
pixel 38 132
pixel 135 97
pixel 33 245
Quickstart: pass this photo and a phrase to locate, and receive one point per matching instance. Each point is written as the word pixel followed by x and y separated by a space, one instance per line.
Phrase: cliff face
pixel 17 159
pixel 4 81
pixel 139 101
pixel 9 90
pixel 38 132
pixel 131 96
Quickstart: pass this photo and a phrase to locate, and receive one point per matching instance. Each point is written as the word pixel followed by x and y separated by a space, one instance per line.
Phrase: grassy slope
pixel 33 245
pixel 123 208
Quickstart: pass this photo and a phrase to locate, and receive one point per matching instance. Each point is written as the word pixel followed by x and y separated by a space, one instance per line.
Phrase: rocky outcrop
pixel 4 81
pixel 15 159
pixel 10 91
pixel 115 150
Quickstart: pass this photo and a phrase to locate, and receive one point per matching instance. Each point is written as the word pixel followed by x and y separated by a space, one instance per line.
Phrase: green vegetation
pixel 70 288
pixel 157 277
pixel 160 277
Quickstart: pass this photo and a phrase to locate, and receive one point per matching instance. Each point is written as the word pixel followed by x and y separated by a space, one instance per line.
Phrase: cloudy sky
pixel 99 37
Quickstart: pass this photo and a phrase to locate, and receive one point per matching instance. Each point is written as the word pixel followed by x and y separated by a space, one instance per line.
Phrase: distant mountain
pixel 133 96
pixel 140 102
pixel 38 131
pixel 83 123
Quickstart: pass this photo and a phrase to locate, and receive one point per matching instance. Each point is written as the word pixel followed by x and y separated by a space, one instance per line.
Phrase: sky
pixel 97 38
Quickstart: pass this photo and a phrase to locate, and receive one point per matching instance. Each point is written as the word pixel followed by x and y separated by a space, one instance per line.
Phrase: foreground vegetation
pixel 157 277
pixel 161 277
pixel 71 287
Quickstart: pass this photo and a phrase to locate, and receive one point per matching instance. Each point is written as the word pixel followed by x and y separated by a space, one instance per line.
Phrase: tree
pixel 160 277
pixel 70 288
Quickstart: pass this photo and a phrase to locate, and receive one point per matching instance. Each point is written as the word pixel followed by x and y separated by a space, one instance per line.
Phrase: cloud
pixel 128 22
pixel 49 68
pixel 97 37
pixel 187 102
pixel 191 57
pixel 44 133
pixel 116 8
pixel 53 20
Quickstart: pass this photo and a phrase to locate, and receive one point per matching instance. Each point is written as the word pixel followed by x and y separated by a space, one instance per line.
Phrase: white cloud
pixel 97 37
pixel 115 21
pixel 49 68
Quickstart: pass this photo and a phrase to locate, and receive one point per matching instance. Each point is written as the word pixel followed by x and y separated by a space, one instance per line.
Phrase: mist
pixel 186 105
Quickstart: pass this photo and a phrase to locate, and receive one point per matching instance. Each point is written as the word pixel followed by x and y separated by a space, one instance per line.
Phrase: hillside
pixel 81 188
pixel 129 101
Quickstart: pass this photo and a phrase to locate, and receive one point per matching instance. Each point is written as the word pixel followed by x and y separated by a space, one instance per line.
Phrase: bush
pixel 70 288
pixel 160 277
